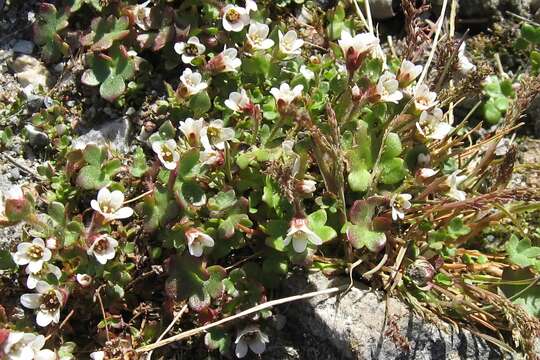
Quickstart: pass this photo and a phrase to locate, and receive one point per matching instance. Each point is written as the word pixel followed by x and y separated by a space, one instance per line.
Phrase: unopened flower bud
pixel 421 273
pixel 306 186
pixel 17 206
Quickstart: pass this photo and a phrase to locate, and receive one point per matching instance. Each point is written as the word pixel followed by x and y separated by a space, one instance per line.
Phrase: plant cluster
pixel 273 153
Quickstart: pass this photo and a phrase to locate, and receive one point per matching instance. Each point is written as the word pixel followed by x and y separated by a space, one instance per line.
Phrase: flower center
pixel 191 49
pixel 167 154
pixel 49 301
pixel 232 15
pixel 213 132
pixel 35 252
pixel 106 207
pixel 101 246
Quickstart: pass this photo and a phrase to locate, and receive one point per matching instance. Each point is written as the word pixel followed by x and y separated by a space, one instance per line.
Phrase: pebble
pixel 30 71
pixel 23 47
pixel 14 174
pixel 36 138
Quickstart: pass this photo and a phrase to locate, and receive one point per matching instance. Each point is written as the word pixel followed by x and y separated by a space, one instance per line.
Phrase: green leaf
pixel 57 212
pixel 94 155
pixel 112 88
pixel 105 31
pixel 258 64
pixel 222 201
pixel 359 180
pixel 73 231
pixel 111 168
pixel 531 33
pixel 228 226
pixel 393 171
pixel 456 228
pixel 90 177
pixel 392 146
pixel 276 229
pixel 186 282
pixel 159 208
pixel 521 252
pixel 360 236
pixel 47 28
pixel 188 161
pixel 6 261
pixel 318 218
pixel 193 193
pixel 200 103
pixel 139 167
pixel 218 339
pixel 492 114
pixel 530 298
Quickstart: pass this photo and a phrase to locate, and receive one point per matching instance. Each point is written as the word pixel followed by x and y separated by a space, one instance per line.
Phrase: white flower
pixel 34 277
pixel 453 181
pixel 103 248
pixel 388 88
pixel 289 44
pixel 464 64
pixel 432 125
pixel 190 49
pixel 306 186
pixel 197 241
pixel 235 18
pixel 250 337
pixel 84 279
pixel 226 61
pixel 238 101
pixel 192 82
pixel 285 94
pixel 109 204
pixel 26 346
pixel 215 134
pixel 359 44
pixel 166 152
pixel 142 12
pixel 47 303
pixel 97 355
pixel 408 72
pixel 211 156
pixel 306 73
pixel 251 5
pixel 399 203
pixel 33 254
pixel 356 48
pixel 257 36
pixel 423 98
pixel 301 234
pixel 192 129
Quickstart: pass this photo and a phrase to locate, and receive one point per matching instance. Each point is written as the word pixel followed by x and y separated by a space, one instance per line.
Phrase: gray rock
pixel 114 134
pixel 351 326
pixel 36 138
pixel 382 9
pixel 30 71
pixel 24 47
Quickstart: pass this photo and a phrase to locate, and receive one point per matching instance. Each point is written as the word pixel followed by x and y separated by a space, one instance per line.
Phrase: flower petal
pixel 123 213
pixel 241 349
pixel 31 301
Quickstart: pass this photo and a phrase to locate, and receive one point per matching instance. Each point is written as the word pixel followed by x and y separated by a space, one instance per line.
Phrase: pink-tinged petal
pixel 31 301
pixel 241 349
pixel 97 355
pixel 43 318
pixel 102 259
pixel 207 241
pixel 123 213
